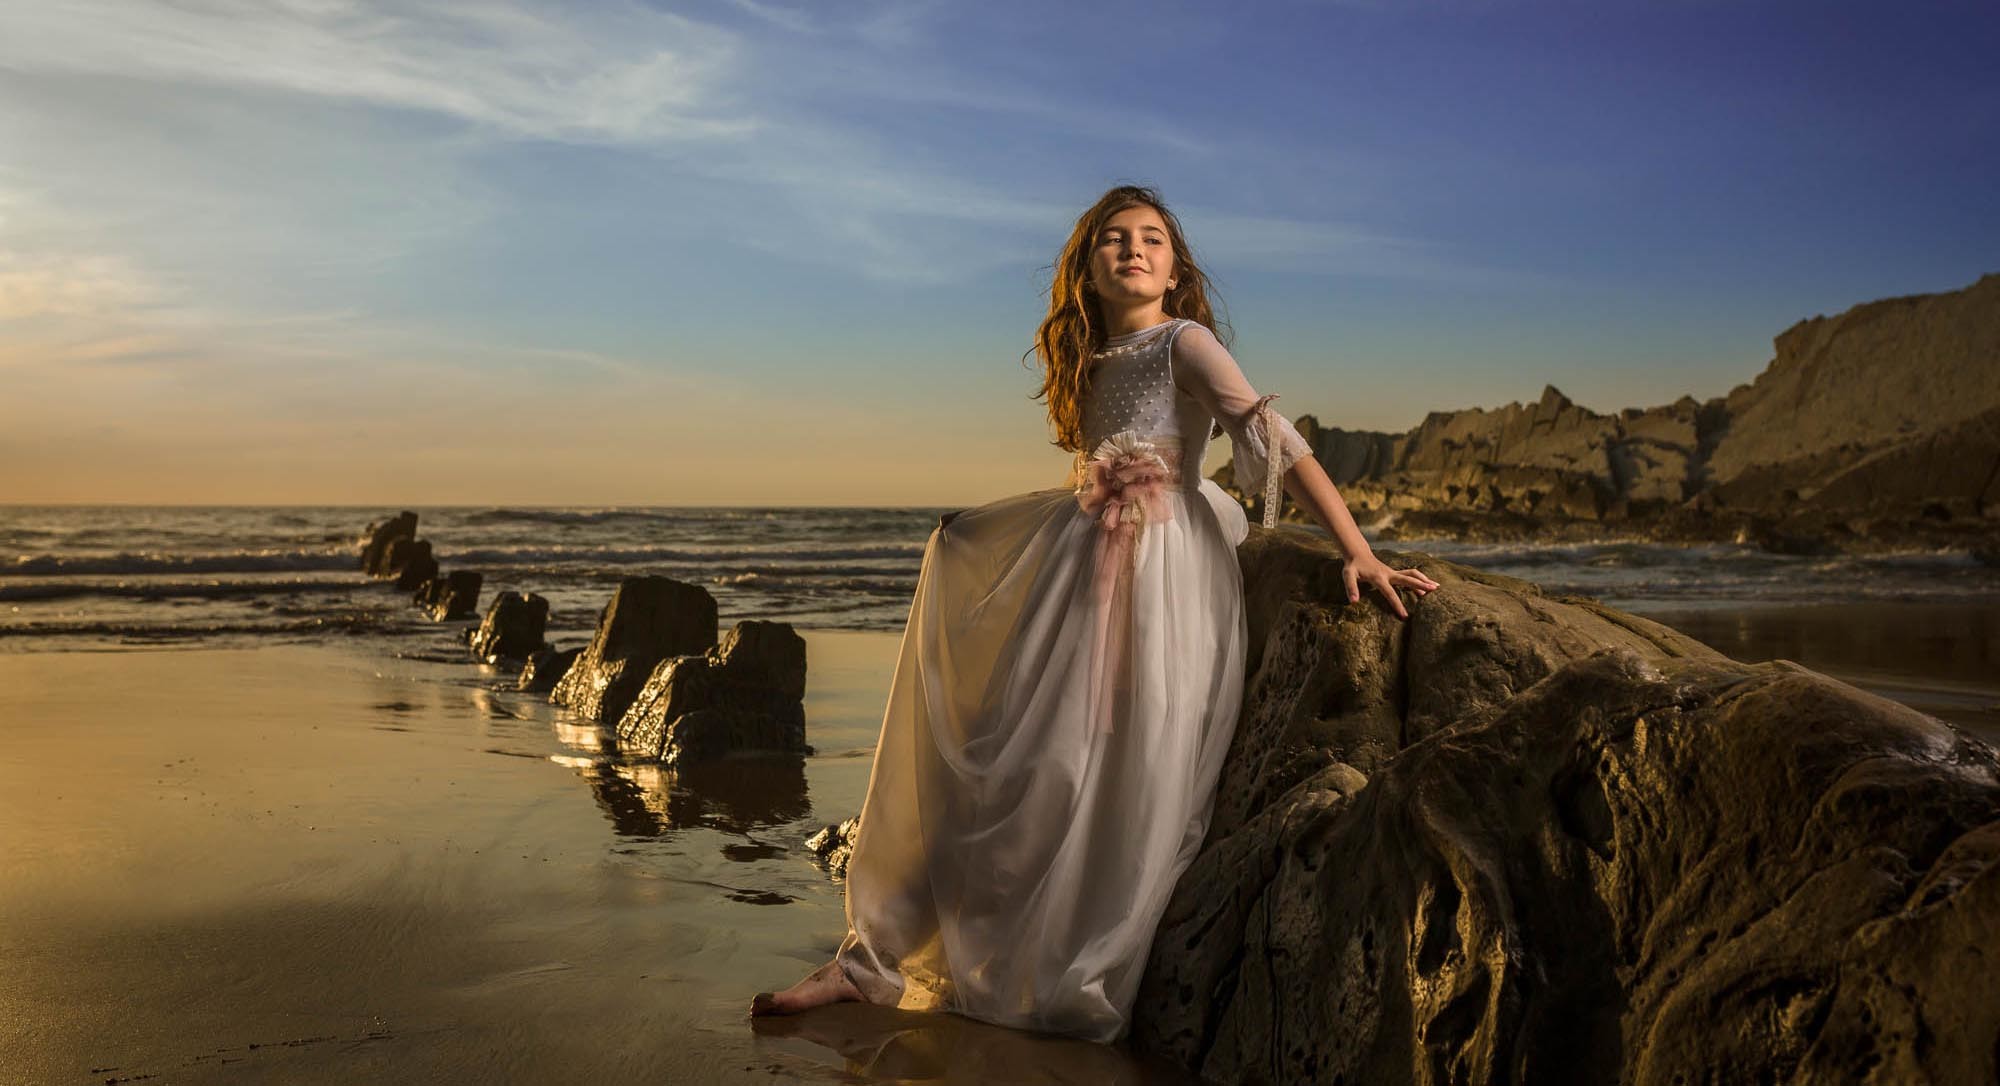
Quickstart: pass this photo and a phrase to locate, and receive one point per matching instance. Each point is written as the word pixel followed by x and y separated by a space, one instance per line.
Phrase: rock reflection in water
pixel 878 1044
pixel 733 795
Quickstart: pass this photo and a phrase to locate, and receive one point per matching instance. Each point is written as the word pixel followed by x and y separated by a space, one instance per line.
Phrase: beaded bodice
pixel 1132 388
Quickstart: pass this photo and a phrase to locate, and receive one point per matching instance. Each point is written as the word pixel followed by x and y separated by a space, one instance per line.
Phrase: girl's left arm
pixel 1309 485
pixel 1206 370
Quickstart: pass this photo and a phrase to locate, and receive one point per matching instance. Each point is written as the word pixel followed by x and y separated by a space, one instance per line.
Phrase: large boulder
pixel 648 620
pixel 379 537
pixel 1530 839
pixel 744 696
pixel 512 628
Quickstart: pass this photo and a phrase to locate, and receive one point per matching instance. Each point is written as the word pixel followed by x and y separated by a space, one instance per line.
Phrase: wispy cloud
pixel 615 72
pixel 67 285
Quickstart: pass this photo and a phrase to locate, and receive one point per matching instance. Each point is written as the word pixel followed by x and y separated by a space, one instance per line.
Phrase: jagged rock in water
pixel 412 563
pixel 744 696
pixel 769 654
pixel 512 628
pixel 379 536
pixel 648 620
pixel 546 668
pixel 1534 839
pixel 455 595
pixel 833 846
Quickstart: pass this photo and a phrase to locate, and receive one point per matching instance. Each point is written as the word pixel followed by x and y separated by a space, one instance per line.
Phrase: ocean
pixel 124 575
pixel 132 577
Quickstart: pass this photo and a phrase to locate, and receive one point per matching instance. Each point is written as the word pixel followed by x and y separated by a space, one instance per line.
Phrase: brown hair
pixel 1074 327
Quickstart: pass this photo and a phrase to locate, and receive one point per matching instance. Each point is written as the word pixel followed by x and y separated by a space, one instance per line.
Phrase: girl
pixel 1073 663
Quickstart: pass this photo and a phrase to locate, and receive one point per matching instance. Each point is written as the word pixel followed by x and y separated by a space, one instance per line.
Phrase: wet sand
pixel 1941 659
pixel 316 864
pixel 313 865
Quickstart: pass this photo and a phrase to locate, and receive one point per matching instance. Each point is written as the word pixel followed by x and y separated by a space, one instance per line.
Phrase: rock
pixel 512 627
pixel 648 620
pixel 546 668
pixel 1525 838
pixel 1952 470
pixel 379 537
pixel 769 654
pixel 449 597
pixel 1869 378
pixel 412 563
pixel 744 696
pixel 834 846
pixel 1887 414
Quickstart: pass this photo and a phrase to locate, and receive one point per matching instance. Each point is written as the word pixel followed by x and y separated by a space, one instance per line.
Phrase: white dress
pixel 1060 712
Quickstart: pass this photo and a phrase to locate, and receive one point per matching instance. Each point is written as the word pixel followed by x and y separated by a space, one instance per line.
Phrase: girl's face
pixel 1132 258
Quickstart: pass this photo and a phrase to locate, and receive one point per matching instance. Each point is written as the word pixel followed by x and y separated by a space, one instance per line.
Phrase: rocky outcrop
pixel 412 563
pixel 1527 839
pixel 453 596
pixel 648 620
pixel 546 668
pixel 512 628
pixel 1871 378
pixel 746 695
pixel 1881 423
pixel 379 537
pixel 833 846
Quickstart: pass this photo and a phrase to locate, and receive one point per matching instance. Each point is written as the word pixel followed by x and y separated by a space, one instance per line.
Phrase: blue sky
pixel 760 252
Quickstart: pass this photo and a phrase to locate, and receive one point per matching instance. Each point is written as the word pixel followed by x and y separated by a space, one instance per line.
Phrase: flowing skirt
pixel 1032 802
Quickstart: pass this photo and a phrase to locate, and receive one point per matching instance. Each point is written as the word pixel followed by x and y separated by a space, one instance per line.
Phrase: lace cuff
pixel 1251 439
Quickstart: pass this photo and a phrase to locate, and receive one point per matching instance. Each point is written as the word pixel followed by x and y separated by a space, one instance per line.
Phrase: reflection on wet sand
pixel 881 1044
pixel 733 795
pixel 1942 659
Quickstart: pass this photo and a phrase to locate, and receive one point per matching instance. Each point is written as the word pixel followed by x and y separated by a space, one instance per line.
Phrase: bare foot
pixel 827 984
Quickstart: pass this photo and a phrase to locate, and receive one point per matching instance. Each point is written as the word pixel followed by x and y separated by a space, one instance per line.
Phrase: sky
pixel 759 252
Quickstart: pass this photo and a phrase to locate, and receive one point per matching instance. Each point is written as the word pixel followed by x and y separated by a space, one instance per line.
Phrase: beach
pixel 312 864
pixel 244 845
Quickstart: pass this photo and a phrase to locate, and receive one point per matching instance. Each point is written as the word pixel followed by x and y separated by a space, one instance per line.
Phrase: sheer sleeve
pixel 1204 369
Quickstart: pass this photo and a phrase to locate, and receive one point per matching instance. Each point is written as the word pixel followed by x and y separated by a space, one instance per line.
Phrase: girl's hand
pixel 1385 580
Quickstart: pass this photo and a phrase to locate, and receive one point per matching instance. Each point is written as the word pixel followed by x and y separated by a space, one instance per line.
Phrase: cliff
pixel 1879 424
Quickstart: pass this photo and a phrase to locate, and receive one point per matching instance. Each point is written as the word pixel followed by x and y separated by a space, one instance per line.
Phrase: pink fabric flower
pixel 1124 487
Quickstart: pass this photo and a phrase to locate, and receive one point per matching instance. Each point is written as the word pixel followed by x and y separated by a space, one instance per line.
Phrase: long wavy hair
pixel 1074 327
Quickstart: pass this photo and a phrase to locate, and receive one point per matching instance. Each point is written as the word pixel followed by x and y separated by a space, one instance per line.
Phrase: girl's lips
pixel 1129 271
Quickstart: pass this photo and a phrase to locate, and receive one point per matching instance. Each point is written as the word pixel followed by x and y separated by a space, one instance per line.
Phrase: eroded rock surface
pixel 833 846
pixel 455 595
pixel 1529 839
pixel 546 668
pixel 411 562
pixel 512 628
pixel 1876 427
pixel 379 537
pixel 746 695
pixel 648 620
